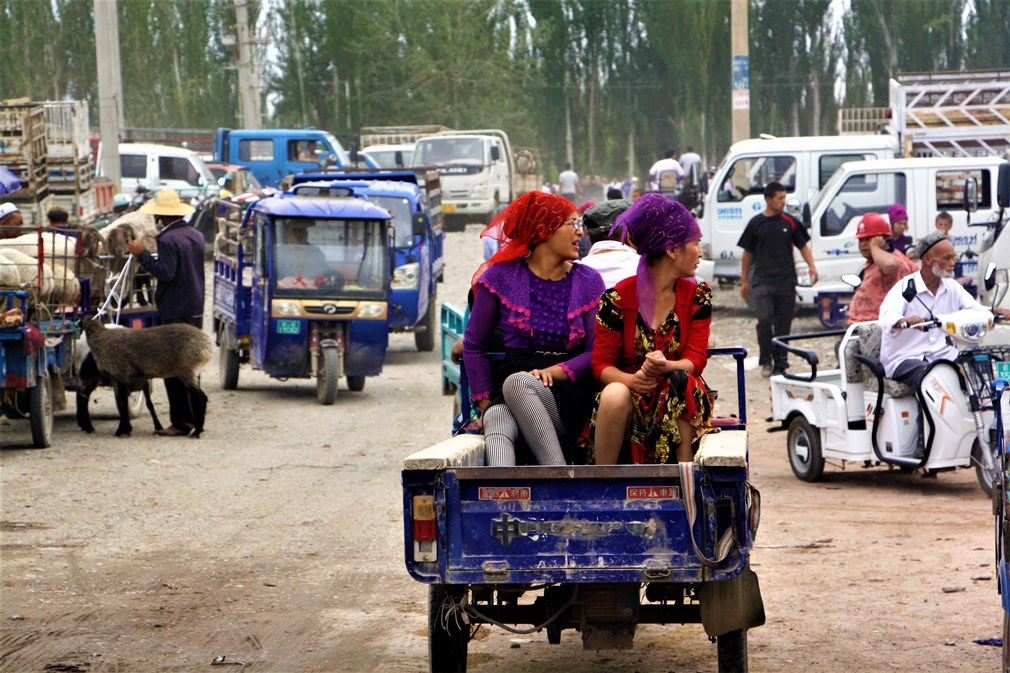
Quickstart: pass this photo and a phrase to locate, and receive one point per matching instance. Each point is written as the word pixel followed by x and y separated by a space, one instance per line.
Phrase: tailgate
pixel 621 523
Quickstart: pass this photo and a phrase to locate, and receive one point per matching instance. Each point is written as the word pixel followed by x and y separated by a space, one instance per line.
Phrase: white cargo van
pixel 160 166
pixel 924 186
pixel 802 165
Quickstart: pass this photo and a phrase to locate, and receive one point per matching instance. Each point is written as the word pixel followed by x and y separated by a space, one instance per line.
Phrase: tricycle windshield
pixel 330 258
pixel 399 208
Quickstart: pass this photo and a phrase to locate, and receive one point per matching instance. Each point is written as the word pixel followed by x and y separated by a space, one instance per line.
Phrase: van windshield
pixel 449 151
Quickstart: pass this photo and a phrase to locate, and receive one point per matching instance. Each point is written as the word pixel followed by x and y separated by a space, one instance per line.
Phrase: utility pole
pixel 110 86
pixel 248 71
pixel 741 69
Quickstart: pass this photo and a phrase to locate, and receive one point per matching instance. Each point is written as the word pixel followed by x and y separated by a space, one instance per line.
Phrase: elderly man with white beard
pixel 905 353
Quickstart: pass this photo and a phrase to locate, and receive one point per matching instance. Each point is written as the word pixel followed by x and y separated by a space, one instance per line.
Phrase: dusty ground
pixel 277 539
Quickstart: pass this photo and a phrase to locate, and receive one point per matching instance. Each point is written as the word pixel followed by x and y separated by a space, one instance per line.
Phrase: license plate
pixel 448 208
pixel 1003 370
pixel 289 326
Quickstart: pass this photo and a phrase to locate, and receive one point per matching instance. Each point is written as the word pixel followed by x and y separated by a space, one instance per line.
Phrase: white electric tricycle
pixel 854 414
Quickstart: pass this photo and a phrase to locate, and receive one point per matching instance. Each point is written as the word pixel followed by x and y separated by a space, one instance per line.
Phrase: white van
pixel 924 186
pixel 160 166
pixel 803 165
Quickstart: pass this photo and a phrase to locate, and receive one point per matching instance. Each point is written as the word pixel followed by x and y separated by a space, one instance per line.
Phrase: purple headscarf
pixel 655 223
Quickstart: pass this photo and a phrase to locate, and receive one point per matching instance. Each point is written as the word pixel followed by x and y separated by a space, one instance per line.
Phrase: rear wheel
pixel 326 376
pixel 804 446
pixel 40 416
pixel 424 338
pixel 448 634
pixel 227 362
pixel 986 478
pixel 732 648
pixel 1006 642
pixel 356 383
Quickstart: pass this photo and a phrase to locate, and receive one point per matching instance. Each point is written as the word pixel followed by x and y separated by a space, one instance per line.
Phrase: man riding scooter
pixel 907 353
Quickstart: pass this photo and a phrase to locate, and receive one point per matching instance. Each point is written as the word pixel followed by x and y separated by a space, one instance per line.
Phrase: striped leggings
pixel 530 408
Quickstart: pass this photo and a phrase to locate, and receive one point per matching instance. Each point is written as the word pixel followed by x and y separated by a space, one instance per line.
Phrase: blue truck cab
pixel 273 154
pixel 414 201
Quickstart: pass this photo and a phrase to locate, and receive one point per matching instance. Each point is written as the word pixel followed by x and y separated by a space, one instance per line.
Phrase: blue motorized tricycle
pixel 597 549
pixel 301 289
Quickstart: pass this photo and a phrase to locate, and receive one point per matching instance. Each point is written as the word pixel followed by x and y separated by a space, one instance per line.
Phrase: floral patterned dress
pixel 622 341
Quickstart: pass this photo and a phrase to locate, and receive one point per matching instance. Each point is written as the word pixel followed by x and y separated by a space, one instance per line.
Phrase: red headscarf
pixel 529 220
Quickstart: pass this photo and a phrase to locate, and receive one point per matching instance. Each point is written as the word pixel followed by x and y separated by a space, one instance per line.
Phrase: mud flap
pixel 731 605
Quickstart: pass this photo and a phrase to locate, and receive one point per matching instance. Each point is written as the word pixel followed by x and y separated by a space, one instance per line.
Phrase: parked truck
pixel 274 154
pixel 414 202
pixel 480 171
pixel 933 115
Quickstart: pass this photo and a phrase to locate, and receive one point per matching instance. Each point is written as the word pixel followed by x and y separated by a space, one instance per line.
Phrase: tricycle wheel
pixel 448 634
pixel 326 376
pixel 356 383
pixel 227 362
pixel 986 478
pixel 40 416
pixel 804 446
pixel 424 338
pixel 1005 668
pixel 732 648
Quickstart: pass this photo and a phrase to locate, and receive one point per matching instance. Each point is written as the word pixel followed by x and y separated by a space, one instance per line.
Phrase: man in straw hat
pixel 179 296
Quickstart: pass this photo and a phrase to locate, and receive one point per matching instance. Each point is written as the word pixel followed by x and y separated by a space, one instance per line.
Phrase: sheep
pixel 132 226
pixel 89 378
pixel 132 357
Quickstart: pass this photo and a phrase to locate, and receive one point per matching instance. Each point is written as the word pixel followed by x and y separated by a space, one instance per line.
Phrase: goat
pixel 130 358
pixel 89 378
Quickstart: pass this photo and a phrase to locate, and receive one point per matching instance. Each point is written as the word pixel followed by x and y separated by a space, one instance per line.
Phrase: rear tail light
pixel 425 531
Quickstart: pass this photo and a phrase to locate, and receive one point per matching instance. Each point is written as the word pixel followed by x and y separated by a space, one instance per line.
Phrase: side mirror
pixel 398 158
pixel 852 280
pixel 1003 185
pixel 909 292
pixel 971 195
pixel 989 277
pixel 806 215
pixel 355 157
pixel 495 153
pixel 793 207
pixel 420 225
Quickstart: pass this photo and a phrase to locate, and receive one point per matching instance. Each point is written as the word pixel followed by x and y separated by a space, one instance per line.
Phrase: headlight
pixel 974 331
pixel 406 277
pixel 287 309
pixel 371 310
pixel 478 190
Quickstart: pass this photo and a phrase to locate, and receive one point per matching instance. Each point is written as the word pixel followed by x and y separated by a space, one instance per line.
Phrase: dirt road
pixel 276 539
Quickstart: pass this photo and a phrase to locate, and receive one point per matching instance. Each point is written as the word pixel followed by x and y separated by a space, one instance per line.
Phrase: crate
pixel 69 178
pixel 66 127
pixel 22 134
pixel 34 177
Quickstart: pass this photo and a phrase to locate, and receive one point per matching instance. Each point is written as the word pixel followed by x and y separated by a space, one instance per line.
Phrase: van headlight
pixel 369 309
pixel 478 190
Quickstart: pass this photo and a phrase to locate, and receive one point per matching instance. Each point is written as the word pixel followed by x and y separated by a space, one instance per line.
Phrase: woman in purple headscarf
pixel 651 342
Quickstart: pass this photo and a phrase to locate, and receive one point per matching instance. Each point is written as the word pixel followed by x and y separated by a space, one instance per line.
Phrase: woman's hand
pixel 655 364
pixel 642 383
pixel 547 376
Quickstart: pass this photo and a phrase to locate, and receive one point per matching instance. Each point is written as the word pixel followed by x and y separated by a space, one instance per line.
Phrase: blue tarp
pixel 8 182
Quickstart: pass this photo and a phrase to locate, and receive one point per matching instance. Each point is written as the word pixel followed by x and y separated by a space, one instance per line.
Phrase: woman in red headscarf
pixel 545 307
pixel 652 342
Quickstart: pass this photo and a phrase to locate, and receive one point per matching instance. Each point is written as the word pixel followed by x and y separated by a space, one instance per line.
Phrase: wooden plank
pixel 723 449
pixel 459 451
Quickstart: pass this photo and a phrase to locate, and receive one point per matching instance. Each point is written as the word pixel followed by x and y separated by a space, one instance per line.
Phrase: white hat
pixel 8 208
pixel 167 202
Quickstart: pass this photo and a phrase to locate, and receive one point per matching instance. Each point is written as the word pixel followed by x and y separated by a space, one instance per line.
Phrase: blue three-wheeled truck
pixel 599 549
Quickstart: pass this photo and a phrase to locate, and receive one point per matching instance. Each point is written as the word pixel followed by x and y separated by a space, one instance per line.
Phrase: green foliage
pixel 608 84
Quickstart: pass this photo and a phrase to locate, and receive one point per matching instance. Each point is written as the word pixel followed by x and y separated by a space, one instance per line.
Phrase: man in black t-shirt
pixel 768 275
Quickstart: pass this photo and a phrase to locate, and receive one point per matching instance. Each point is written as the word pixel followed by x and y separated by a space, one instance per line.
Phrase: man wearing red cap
pixel 884 267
